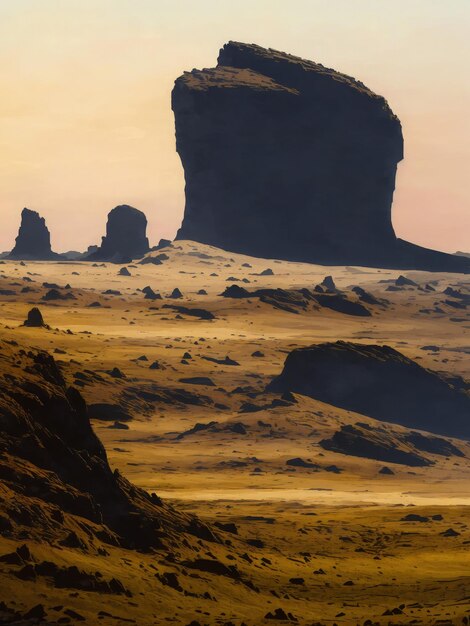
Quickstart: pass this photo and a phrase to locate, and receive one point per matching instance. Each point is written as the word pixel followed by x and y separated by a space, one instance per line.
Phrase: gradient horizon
pixel 86 123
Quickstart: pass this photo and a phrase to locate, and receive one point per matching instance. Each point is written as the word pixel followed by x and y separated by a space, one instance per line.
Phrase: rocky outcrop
pixel 386 445
pixel 373 444
pixel 54 473
pixel 379 382
pixel 297 300
pixel 125 237
pixel 34 241
pixel 286 158
pixel 35 319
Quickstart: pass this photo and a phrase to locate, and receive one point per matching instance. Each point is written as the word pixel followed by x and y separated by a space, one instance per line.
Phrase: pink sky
pixel 86 124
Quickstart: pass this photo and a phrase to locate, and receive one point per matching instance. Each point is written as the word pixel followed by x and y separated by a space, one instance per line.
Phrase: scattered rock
pixel 298 462
pixel 280 615
pixel 450 532
pixel 328 283
pixel 116 373
pixel 226 361
pixel 55 294
pixel 402 281
pixel 198 380
pixel 150 294
pixel 202 314
pixel 413 517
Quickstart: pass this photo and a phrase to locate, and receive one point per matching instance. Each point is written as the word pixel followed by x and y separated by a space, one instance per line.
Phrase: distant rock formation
pixel 35 319
pixel 75 255
pixel 34 241
pixel 379 382
pixel 125 237
pixel 286 158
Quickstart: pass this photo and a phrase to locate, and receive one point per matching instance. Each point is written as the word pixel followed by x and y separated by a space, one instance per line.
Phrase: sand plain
pixel 326 542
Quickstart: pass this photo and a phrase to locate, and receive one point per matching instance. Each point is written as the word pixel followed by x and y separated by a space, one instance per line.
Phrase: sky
pixel 86 122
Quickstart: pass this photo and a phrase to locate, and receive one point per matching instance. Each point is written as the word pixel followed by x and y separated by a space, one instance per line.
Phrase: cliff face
pixel 286 158
pixel 33 241
pixel 125 237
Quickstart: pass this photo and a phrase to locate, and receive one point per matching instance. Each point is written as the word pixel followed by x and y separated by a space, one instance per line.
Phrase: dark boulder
pixel 125 237
pixel 202 314
pixel 55 294
pixel 34 241
pixel 285 158
pixel 35 319
pixel 150 294
pixel 377 381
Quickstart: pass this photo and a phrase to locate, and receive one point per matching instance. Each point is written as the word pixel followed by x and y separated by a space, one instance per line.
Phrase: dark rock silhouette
pixel 175 294
pixel 373 444
pixel 286 158
pixel 379 382
pixel 328 283
pixel 297 300
pixel 35 319
pixel 386 445
pixel 125 237
pixel 202 314
pixel 34 241
pixel 150 294
pixel 55 294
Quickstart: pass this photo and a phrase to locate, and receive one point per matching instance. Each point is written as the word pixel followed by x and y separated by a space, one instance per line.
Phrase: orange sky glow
pixel 86 123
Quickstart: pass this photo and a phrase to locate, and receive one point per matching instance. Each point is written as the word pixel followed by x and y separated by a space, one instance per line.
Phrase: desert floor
pixel 327 544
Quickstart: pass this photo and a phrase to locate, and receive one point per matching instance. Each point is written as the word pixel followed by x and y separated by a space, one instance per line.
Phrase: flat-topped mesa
pixel 286 158
pixel 33 242
pixel 125 237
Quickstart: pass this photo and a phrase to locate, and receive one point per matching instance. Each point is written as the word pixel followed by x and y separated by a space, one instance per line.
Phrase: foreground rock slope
pixel 51 461
pixel 286 158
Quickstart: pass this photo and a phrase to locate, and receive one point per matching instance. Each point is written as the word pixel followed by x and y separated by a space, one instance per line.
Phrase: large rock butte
pixel 34 241
pixel 125 237
pixel 379 382
pixel 286 158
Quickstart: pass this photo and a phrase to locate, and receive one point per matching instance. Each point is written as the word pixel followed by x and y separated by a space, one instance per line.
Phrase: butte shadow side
pixel 288 159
